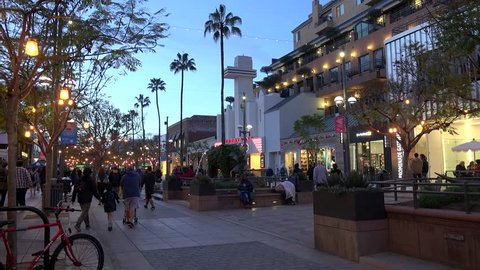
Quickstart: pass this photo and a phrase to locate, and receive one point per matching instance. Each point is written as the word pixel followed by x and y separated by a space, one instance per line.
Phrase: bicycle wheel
pixel 86 248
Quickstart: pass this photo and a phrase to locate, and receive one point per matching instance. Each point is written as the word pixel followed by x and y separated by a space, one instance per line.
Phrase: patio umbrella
pixel 464 147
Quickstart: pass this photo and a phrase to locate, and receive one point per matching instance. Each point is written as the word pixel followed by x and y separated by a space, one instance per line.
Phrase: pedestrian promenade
pixel 174 237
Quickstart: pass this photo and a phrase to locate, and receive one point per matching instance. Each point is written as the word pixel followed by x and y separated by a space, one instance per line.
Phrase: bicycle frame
pixel 60 233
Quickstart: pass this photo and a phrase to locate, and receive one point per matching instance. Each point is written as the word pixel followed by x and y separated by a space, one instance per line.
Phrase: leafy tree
pixel 101 140
pixel 270 83
pixel 156 85
pixel 266 70
pixel 196 150
pixel 182 64
pixel 141 103
pixel 77 39
pixel 226 157
pixel 420 98
pixel 222 25
pixel 456 26
pixel 308 127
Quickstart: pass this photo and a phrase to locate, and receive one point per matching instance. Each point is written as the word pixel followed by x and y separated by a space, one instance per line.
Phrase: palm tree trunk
pixel 159 131
pixel 181 122
pixel 221 89
pixel 143 132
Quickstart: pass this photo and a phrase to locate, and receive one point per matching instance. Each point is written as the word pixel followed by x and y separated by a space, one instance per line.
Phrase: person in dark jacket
pixel 109 200
pixel 245 188
pixel 84 190
pixel 149 183
pixel 114 179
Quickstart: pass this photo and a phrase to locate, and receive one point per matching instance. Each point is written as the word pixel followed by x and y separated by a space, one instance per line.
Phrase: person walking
pixel 130 184
pixel 336 171
pixel 320 175
pixel 3 182
pixel 109 200
pixel 424 166
pixel 101 181
pixel 24 181
pixel 85 189
pixel 149 183
pixel 114 179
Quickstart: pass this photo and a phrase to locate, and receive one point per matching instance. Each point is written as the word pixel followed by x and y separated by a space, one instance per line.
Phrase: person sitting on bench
pixel 245 188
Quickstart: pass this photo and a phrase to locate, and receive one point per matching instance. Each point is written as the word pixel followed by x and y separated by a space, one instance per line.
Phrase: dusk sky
pixel 266 34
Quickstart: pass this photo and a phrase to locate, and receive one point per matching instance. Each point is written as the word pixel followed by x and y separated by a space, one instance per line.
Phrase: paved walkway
pixel 174 237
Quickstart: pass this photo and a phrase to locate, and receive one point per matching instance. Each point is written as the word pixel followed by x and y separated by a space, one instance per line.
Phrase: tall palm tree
pixel 141 103
pixel 222 25
pixel 131 117
pixel 182 64
pixel 155 85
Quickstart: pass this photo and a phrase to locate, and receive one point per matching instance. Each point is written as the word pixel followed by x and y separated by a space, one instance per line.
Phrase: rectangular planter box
pixel 357 205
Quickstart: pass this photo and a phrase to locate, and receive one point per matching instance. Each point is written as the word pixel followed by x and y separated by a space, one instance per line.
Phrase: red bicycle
pixel 78 251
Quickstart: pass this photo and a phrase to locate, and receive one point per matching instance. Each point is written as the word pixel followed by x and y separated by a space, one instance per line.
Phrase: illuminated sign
pixel 364 134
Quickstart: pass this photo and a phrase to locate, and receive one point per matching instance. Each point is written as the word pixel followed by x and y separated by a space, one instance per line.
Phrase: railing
pixel 431 186
pixel 257 181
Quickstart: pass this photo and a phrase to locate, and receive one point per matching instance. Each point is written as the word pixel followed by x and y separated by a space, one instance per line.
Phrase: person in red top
pixel 190 172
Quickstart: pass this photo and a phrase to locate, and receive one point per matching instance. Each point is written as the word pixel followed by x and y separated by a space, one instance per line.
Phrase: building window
pixel 334 74
pixel 378 58
pixel 340 10
pixel 320 80
pixel 364 63
pixel 359 2
pixel 297 36
pixel 362 29
pixel 348 69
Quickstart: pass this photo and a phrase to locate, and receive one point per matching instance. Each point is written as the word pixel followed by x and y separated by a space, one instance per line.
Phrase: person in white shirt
pixel 320 175
pixel 287 189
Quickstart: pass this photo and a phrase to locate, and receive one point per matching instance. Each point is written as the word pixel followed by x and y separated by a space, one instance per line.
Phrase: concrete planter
pixel 204 189
pixel 350 225
pixel 357 205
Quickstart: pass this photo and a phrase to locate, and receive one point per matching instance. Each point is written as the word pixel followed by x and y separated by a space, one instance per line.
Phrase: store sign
pixel 339 124
pixel 364 134
pixel 262 160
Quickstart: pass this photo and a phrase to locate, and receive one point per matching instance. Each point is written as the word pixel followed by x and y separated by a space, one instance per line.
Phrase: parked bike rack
pixel 46 235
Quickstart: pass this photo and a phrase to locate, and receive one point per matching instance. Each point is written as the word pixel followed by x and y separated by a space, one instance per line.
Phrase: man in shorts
pixel 131 194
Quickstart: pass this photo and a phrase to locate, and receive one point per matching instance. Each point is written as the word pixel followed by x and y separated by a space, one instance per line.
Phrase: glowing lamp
pixel 31 47
pixel 64 93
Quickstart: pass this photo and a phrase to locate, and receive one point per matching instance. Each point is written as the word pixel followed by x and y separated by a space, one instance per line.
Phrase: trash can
pixel 56 191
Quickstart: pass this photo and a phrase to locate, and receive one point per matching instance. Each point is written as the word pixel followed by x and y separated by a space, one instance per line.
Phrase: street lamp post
pixel 166 148
pixel 340 102
pixel 244 129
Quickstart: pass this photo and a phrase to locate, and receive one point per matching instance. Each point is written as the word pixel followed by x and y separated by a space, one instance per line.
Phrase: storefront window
pixel 369 157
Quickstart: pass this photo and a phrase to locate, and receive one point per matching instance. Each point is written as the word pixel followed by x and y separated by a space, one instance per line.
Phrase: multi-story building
pixel 348 36
pixel 195 128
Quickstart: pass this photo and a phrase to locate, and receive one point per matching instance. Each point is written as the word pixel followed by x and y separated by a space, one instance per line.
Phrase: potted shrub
pixel 202 186
pixel 349 198
pixel 304 184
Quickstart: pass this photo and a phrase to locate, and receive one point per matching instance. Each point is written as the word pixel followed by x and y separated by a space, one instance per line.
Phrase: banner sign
pixel 339 124
pixel 69 134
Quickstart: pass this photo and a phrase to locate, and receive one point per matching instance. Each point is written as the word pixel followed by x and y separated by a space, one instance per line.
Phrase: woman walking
pixel 85 189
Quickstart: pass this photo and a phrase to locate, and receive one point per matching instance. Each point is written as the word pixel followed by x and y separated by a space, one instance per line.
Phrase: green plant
pixel 354 181
pixel 226 158
pixel 202 180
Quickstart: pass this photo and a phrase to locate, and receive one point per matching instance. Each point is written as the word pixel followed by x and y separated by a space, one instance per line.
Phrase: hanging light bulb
pixel 64 93
pixel 70 102
pixel 28 134
pixel 61 102
pixel 86 124
pixel 31 47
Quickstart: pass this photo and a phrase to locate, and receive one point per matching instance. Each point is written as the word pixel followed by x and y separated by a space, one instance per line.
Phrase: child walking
pixel 109 200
